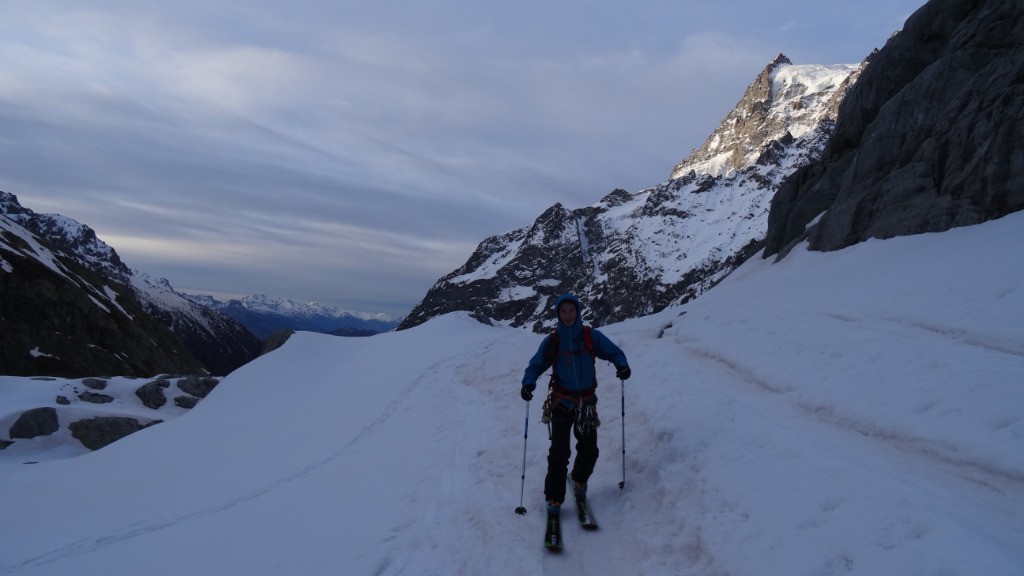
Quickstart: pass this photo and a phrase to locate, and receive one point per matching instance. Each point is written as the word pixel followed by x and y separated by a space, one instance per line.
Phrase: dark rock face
pixel 929 138
pixel 35 422
pixel 50 324
pixel 95 433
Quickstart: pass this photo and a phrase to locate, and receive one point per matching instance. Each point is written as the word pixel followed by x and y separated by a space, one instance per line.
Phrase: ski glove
pixel 526 393
pixel 623 372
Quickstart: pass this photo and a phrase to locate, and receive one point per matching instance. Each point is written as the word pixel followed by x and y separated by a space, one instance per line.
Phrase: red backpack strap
pixel 551 351
pixel 588 343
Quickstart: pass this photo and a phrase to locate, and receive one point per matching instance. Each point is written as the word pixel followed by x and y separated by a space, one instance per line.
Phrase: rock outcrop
pixel 929 138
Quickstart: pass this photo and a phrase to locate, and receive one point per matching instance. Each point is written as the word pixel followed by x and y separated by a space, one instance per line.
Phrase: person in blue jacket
pixel 572 349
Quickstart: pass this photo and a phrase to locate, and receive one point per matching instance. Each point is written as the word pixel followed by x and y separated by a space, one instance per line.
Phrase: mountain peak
pixel 779 60
pixel 783 99
pixel 633 254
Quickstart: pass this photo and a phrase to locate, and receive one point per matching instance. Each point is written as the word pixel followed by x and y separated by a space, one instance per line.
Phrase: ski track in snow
pixel 922 461
pixel 986 474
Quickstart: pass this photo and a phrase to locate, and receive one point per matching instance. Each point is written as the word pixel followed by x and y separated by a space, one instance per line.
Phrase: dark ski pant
pixel 558 455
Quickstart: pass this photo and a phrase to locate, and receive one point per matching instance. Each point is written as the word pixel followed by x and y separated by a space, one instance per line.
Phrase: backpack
pixel 553 343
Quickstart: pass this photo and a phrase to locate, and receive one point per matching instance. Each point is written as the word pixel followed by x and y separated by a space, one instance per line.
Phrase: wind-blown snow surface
pixel 858 412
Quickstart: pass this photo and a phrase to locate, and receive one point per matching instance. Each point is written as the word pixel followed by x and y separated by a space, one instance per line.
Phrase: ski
pixel 553 533
pixel 583 511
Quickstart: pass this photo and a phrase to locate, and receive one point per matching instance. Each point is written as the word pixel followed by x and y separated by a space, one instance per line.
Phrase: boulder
pixel 188 402
pixel 95 433
pixel 152 393
pixel 94 383
pixel 35 422
pixel 197 386
pixel 95 398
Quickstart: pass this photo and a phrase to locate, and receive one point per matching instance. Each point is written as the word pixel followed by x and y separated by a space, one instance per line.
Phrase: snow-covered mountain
pixel 264 315
pixel 633 254
pixel 71 306
pixel 785 104
pixel 853 413
pixel 220 342
pixel 66 237
pixel 65 306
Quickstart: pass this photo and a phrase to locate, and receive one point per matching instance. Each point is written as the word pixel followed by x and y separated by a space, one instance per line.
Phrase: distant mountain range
pixel 264 315
pixel 70 307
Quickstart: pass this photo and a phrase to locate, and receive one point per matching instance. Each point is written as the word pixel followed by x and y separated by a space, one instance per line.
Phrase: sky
pixel 352 153
pixel 854 413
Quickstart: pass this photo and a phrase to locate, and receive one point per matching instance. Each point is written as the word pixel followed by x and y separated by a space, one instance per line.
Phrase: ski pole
pixel 623 483
pixel 526 434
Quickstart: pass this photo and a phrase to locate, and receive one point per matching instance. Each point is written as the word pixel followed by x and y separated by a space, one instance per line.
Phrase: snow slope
pixel 858 412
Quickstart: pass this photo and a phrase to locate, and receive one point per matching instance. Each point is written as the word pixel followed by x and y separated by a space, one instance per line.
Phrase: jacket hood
pixel 574 300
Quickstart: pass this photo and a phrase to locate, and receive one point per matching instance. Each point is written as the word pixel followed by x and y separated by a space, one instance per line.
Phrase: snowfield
pixel 851 413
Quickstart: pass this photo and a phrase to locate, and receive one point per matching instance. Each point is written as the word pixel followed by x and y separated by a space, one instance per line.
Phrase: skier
pixel 571 402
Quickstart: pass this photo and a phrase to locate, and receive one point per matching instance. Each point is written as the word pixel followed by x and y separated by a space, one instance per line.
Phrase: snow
pixel 112 297
pixel 493 264
pixel 795 81
pixel 285 307
pixel 857 412
pixel 36 249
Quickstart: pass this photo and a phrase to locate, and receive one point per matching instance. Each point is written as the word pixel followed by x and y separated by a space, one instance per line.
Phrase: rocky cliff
pixel 929 138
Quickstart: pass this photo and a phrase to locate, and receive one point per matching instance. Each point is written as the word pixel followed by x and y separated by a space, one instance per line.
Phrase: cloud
pixel 367 147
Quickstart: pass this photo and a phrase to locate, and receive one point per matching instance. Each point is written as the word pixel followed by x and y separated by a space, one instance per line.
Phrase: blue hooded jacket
pixel 572 364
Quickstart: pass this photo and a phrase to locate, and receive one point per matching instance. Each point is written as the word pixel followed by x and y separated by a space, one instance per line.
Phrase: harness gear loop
pixel 583 412
pixel 545 416
pixel 586 419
